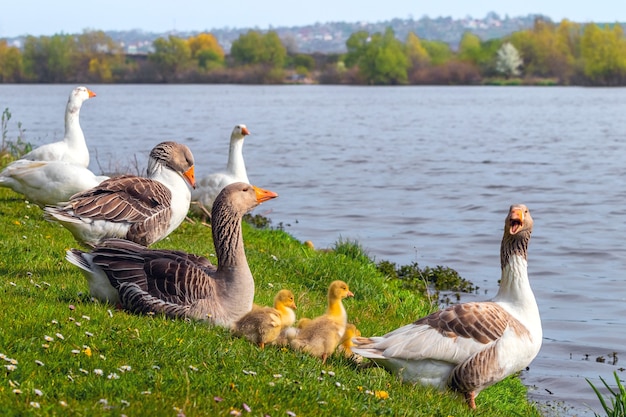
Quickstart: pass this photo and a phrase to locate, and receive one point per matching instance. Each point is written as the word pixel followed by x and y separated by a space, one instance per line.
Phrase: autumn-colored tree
pixel 206 50
pixel 415 51
pixel 603 51
pixel 11 67
pixel 97 56
pixel 171 56
pixel 438 51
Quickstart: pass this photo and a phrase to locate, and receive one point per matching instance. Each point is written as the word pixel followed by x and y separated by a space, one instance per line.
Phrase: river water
pixel 415 174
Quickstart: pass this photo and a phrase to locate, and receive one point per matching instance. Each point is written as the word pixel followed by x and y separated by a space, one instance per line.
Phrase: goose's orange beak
pixel 190 177
pixel 263 195
pixel 245 131
pixel 91 93
pixel 517 220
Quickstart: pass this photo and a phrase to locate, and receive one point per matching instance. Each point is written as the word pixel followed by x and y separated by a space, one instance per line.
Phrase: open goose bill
pixel 263 195
pixel 190 177
pixel 517 221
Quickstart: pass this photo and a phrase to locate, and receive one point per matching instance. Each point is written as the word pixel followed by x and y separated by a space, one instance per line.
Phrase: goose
pixel 472 345
pixel 210 186
pixel 320 336
pixel 73 147
pixel 143 210
pixel 176 283
pixel 48 182
pixel 263 325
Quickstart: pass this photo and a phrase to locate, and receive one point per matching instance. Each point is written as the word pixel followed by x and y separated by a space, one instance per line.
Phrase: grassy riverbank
pixel 65 354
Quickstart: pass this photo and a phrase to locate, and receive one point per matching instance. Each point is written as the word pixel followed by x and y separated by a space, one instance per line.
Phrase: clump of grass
pixel 10 149
pixel 423 280
pixel 617 408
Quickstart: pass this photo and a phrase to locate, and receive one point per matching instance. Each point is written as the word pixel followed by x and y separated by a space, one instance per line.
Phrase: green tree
pixel 49 59
pixel 381 58
pixel 255 48
pixel 171 56
pixel 603 51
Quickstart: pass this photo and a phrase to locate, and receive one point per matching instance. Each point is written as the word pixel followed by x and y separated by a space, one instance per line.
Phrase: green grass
pixel 86 358
pixel 616 397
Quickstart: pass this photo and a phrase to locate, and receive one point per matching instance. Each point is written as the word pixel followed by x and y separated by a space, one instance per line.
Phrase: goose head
pixel 77 97
pixel 175 156
pixel 285 298
pixel 518 227
pixel 338 290
pixel 239 132
pixel 239 198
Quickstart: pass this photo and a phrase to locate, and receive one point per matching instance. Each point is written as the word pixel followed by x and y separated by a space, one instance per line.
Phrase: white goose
pixel 73 147
pixel 470 346
pixel 210 186
pixel 143 210
pixel 48 182
pixel 176 283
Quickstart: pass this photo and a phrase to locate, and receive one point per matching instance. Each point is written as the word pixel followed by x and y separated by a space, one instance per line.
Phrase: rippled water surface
pixel 421 174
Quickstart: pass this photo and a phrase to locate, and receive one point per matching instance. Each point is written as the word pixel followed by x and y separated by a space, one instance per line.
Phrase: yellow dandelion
pixel 381 395
pixel 17 222
pixel 87 351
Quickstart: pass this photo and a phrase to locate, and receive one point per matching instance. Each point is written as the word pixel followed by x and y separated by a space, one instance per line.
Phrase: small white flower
pixel 13 384
pixel 156 367
pixel 110 313
pixel 62 403
pixel 249 372
pixel 338 384
pixel 193 368
pixel 146 392
pixel 88 334
pixel 45 345
pixel 75 351
pixel 331 373
pixel 60 336
pixel 54 322
pixel 13 283
pixel 113 376
pixel 98 372
pixel 78 323
pixel 277 376
pixel 124 403
pixel 104 358
pixel 38 362
pixel 70 378
pixel 13 361
pixel 34 404
pixel 17 391
pixel 38 392
pixel 86 317
pixel 274 257
pixel 125 368
pixel 86 372
pixel 103 401
pixel 10 367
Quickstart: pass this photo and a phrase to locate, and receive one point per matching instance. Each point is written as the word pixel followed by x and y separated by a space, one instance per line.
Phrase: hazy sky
pixel 36 17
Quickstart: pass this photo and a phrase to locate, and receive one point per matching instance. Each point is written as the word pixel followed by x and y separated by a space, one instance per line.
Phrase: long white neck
pixel 236 165
pixel 74 136
pixel 515 292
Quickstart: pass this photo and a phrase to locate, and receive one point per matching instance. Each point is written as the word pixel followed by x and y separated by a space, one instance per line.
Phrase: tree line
pixel 564 53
